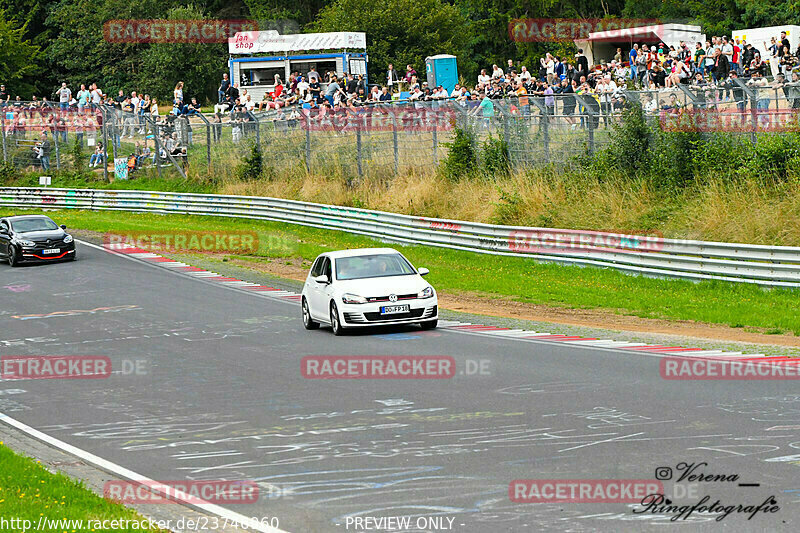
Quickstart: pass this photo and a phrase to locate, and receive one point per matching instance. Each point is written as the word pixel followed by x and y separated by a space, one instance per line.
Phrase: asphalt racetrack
pixel 207 385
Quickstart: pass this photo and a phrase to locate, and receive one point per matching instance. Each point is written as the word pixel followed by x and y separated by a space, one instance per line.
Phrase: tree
pixel 198 65
pixel 19 58
pixel 399 31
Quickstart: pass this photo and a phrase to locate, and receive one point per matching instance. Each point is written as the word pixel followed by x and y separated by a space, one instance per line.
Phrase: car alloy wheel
pixel 13 260
pixel 308 323
pixel 336 326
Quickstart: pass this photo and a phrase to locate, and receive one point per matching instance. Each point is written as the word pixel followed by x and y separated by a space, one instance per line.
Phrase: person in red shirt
pixel 735 59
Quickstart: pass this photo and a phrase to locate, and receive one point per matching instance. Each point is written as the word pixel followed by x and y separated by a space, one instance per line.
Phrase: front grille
pixel 377 317
pixel 386 298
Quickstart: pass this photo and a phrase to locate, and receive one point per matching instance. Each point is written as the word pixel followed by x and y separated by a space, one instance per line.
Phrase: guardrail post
pixel 3 123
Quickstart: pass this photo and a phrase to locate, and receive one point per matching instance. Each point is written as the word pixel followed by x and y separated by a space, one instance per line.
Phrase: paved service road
pixel 219 395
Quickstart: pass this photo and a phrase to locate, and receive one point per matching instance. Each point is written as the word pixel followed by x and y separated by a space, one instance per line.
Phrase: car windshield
pixel 33 224
pixel 372 266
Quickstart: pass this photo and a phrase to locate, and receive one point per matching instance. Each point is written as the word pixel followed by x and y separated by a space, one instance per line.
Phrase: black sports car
pixel 34 238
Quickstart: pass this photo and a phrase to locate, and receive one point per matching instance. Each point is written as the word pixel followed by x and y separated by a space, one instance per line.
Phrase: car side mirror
pixel 322 279
pixel 63 226
pixel 423 271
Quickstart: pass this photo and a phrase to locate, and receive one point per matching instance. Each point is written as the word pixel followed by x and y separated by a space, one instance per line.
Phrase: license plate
pixel 392 309
pixel 51 251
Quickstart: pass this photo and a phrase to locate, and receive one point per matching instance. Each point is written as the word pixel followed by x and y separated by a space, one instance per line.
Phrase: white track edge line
pixel 133 476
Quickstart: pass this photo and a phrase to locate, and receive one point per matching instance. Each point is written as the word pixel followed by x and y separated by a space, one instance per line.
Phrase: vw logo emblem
pixel 392 297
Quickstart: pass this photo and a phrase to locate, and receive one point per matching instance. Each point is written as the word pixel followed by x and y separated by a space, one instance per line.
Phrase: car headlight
pixel 353 299
pixel 427 292
pixel 68 239
pixel 26 243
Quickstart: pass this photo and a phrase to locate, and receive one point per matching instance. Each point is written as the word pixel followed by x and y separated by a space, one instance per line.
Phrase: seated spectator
pixel 97 157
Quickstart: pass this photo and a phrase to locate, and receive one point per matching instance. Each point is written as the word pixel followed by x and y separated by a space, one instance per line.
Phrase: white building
pixel 602 45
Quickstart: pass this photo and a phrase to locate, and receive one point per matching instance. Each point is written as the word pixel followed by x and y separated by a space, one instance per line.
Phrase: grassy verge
pixel 28 491
pixel 736 305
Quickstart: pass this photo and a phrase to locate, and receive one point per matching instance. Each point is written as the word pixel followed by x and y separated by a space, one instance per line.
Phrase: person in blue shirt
pixel 632 55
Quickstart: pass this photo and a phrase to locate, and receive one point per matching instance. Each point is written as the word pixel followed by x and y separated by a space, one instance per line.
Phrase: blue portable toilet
pixel 442 70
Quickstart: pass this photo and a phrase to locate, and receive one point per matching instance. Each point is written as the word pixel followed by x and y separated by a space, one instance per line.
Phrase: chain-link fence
pixel 382 139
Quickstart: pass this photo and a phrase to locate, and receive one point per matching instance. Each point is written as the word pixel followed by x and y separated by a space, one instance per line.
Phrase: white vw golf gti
pixel 367 287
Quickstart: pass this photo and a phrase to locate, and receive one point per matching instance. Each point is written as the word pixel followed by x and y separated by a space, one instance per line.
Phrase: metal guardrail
pixel 776 266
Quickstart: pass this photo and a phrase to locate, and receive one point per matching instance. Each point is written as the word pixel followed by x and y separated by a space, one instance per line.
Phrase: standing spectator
pixel 313 73
pixel 632 57
pixel 223 88
pixel 64 96
pixel 410 73
pixel 315 89
pixel 392 78
pixel 582 63
pixel 5 97
pixel 44 150
pixel 792 91
pixel 618 55
pixel 84 97
pixel 736 56
pixel 785 42
pixel 177 94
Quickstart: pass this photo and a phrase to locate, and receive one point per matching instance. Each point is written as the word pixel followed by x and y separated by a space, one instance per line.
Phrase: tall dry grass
pixel 718 209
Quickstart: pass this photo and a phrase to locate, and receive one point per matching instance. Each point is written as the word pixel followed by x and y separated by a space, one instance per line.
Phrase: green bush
pixel 631 140
pixel 8 172
pixel 253 165
pixel 495 156
pixel 461 158
pixel 774 155
pixel 77 156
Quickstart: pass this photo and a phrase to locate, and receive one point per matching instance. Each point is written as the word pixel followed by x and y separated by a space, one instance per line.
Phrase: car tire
pixel 336 324
pixel 430 324
pixel 13 257
pixel 308 323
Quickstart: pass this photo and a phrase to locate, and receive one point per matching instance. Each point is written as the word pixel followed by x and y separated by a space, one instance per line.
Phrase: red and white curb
pixel 465 327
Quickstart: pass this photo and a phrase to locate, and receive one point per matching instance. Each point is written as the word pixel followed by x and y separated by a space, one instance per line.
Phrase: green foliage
pixel 775 155
pixel 495 157
pixel 19 57
pixel 632 136
pixel 461 156
pixel 399 31
pixel 7 172
pixel 77 156
pixel 252 167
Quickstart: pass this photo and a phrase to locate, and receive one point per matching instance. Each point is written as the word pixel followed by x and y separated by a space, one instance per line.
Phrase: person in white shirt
pixel 441 93
pixel 524 75
pixel 483 77
pixel 550 67
pixel 497 72
pixel 457 92
pixel 249 104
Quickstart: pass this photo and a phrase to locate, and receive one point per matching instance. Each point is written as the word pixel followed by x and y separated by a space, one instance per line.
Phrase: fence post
pixel 307 122
pixel 58 152
pixel 158 148
pixel 3 123
pixel 395 144
pixel 358 151
pixel 105 142
pixel 436 143
pixel 544 123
